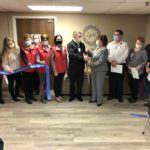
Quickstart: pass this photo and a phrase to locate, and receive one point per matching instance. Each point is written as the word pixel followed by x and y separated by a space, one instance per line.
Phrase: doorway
pixel 35 26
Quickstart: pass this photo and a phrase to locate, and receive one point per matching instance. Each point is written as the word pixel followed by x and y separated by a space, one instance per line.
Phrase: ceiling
pixel 90 6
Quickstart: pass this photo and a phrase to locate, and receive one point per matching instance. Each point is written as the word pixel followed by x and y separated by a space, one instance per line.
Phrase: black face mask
pixel 59 42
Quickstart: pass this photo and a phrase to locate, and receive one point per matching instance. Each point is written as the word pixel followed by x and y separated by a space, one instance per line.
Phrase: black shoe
pixel 132 100
pixel 20 96
pixel 80 98
pixel 2 101
pixel 99 105
pixel 28 101
pixel 44 101
pixel 120 100
pixel 33 98
pixel 92 101
pixel 16 99
pixel 71 99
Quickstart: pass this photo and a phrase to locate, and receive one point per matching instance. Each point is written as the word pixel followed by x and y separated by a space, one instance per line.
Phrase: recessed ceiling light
pixel 55 8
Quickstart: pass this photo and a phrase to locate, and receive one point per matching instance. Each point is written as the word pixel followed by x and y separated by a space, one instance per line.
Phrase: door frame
pixel 14 20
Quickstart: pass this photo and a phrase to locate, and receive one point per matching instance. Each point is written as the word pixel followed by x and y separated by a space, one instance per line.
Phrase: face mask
pixel 28 43
pixel 12 45
pixel 115 37
pixel 59 42
pixel 45 43
pixel 138 46
pixel 97 44
pixel 36 41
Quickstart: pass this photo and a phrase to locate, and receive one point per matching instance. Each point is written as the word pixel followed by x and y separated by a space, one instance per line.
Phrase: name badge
pixel 79 49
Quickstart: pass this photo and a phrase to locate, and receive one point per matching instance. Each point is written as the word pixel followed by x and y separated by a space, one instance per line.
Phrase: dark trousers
pixel 146 86
pixel 58 80
pixel 134 85
pixel 14 89
pixel 76 83
pixel 36 82
pixel 28 80
pixel 116 85
pixel 1 79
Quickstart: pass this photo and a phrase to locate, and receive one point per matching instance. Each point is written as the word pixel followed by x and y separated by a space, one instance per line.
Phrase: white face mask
pixel 28 43
pixel 45 43
pixel 36 41
pixel 11 45
pixel 97 44
pixel 138 46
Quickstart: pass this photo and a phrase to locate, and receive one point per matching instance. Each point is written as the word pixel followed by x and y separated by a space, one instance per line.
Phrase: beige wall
pixel 148 31
pixel 132 25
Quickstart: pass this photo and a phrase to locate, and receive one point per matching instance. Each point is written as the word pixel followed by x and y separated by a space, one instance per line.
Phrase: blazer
pixel 99 62
pixel 76 59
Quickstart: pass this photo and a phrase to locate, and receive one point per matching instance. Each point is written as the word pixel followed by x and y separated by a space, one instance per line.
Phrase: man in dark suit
pixel 76 50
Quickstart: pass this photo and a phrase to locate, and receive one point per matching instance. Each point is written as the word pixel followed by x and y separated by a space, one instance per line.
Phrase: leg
pixel 31 85
pixel 100 77
pixel 93 86
pixel 18 83
pixel 1 100
pixel 80 77
pixel 112 85
pixel 119 88
pixel 72 77
pixel 60 82
pixel 36 83
pixel 11 86
pixel 56 86
pixel 42 78
pixel 26 82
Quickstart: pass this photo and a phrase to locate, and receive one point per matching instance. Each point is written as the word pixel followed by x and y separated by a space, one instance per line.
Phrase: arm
pixel 23 57
pixel 53 63
pixel 74 55
pixel 148 67
pixel 124 54
pixel 145 59
pixel 5 65
pixel 103 58
pixel 38 58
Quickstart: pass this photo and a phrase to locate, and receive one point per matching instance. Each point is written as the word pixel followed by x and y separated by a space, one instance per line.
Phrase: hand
pixel 85 58
pixel 56 74
pixel 11 71
pixel 129 67
pixel 29 64
pixel 42 62
pixel 114 63
pixel 138 67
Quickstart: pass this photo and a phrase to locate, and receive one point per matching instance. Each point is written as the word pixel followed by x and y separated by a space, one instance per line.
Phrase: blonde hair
pixel 6 50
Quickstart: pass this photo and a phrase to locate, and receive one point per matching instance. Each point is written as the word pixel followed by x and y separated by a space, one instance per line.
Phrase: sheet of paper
pixel 148 77
pixel 117 69
pixel 135 73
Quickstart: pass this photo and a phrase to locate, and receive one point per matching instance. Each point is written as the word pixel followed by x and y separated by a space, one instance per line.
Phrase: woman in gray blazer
pixel 98 69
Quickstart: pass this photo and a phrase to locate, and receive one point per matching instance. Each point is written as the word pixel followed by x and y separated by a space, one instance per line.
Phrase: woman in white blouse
pixel 10 63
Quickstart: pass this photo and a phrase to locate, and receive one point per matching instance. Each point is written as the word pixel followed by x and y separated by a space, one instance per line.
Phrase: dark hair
pixel 119 31
pixel 104 39
pixel 56 37
pixel 141 39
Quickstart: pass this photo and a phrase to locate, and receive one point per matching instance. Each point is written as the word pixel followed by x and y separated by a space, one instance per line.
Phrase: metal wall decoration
pixel 89 35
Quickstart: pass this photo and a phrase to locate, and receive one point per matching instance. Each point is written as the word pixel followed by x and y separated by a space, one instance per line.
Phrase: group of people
pixel 112 58
pixel 33 51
